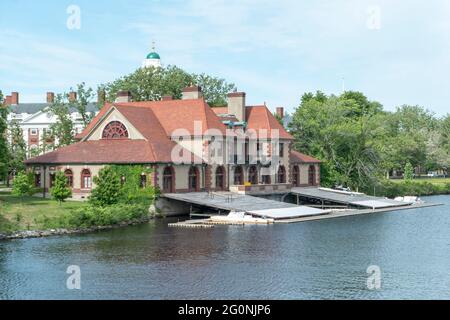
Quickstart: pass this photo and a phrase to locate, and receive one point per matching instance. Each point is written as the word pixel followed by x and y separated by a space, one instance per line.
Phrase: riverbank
pixel 34 217
pixel 416 187
pixel 31 213
pixel 58 232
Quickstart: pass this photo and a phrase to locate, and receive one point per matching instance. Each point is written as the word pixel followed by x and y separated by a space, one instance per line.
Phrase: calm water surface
pixel 314 260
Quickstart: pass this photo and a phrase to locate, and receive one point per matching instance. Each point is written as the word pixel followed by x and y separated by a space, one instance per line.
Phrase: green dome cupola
pixel 153 55
pixel 153 59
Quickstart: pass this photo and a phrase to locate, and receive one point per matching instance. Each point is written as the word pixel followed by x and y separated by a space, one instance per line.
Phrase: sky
pixel 394 51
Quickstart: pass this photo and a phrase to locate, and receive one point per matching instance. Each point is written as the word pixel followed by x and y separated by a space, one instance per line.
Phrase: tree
pixel 17 148
pixel 4 156
pixel 108 188
pixel 339 131
pixel 23 184
pixel 62 129
pixel 214 89
pixel 151 84
pixel 409 172
pixel 84 97
pixel 279 119
pixel 60 190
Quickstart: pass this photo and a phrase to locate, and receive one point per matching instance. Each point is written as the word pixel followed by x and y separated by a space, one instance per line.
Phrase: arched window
pixel 69 176
pixel 281 174
pixel 253 175
pixel 115 130
pixel 312 175
pixel 220 178
pixel 193 179
pixel 295 176
pixel 168 185
pixel 238 176
pixel 86 179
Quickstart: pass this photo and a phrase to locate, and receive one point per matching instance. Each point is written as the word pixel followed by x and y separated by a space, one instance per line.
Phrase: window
pixel 143 183
pixel 281 150
pixel 220 178
pixel 281 174
pixel 115 130
pixel 253 175
pixel 86 179
pixel 69 176
pixel 312 175
pixel 37 180
pixel 295 176
pixel 168 184
pixel 193 179
pixel 238 176
pixel 34 132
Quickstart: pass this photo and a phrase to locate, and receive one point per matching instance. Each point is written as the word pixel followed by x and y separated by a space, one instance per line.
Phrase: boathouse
pixel 190 147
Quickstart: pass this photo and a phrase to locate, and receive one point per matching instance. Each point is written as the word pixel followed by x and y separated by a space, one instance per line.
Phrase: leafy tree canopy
pixel 151 84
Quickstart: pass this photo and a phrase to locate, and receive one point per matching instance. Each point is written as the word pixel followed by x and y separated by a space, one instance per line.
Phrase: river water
pixel 325 259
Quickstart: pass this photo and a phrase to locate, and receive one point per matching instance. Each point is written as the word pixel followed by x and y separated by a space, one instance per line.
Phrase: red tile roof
pixel 123 151
pixel 156 121
pixel 260 118
pixel 298 157
pixel 171 115
pixel 100 151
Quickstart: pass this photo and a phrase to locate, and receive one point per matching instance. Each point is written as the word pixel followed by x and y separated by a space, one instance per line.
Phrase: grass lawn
pixel 27 213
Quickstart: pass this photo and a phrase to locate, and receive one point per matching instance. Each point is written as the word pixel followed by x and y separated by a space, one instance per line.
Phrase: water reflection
pixel 323 259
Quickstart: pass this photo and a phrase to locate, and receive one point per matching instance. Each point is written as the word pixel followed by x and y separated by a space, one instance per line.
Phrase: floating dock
pixel 349 199
pixel 260 207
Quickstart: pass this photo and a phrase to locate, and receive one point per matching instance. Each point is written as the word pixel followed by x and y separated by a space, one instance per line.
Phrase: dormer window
pixel 115 130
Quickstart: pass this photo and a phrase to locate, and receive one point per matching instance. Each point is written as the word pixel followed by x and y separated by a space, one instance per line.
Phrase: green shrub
pixel 23 185
pixel 102 216
pixel 108 189
pixel 60 190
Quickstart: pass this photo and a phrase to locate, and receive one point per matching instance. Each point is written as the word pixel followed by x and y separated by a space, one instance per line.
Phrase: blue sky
pixel 396 52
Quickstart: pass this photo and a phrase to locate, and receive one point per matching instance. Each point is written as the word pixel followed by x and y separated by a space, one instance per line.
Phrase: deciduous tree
pixel 60 190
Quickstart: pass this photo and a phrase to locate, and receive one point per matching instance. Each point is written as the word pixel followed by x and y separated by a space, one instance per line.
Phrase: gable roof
pixel 260 118
pixel 298 157
pixel 169 115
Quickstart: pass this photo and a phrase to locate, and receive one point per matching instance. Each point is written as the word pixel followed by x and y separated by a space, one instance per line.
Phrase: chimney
pixel 280 112
pixel 50 97
pixel 236 105
pixel 167 98
pixel 14 98
pixel 7 101
pixel 123 96
pixel 72 96
pixel 101 96
pixel 192 92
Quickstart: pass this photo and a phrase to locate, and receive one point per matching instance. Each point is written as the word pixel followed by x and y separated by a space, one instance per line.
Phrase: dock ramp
pixel 347 198
pixel 256 206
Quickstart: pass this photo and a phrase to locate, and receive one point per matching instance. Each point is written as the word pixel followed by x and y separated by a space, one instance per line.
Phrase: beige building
pixel 188 145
